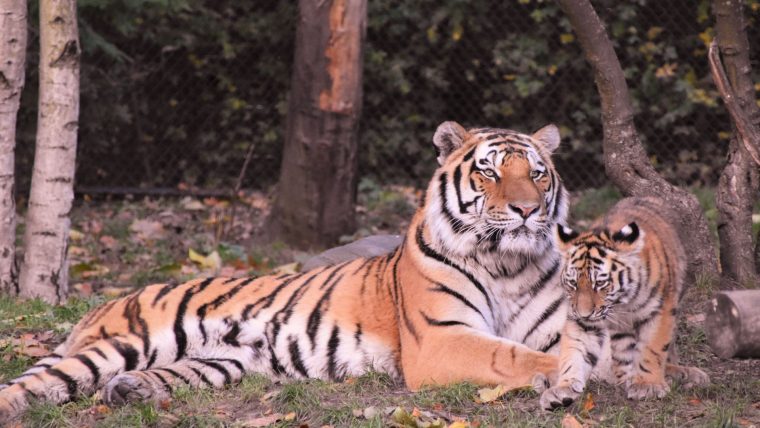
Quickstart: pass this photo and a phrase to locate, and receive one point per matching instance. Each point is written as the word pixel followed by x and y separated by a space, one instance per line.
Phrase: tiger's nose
pixel 525 209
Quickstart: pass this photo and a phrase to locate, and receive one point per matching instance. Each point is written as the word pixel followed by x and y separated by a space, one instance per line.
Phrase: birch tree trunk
pixel 12 60
pixel 317 188
pixel 45 271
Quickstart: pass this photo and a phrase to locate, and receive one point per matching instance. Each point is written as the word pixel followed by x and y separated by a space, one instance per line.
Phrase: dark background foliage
pixel 175 91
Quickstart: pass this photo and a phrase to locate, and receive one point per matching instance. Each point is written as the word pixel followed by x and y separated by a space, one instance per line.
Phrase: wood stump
pixel 732 324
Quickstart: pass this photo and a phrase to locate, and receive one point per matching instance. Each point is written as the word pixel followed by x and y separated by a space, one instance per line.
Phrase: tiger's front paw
pixel 688 376
pixel 129 388
pixel 647 390
pixel 561 395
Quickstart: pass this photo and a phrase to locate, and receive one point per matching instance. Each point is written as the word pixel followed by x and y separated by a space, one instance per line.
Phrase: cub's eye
pixel 602 284
pixel 488 173
pixel 570 283
pixel 536 174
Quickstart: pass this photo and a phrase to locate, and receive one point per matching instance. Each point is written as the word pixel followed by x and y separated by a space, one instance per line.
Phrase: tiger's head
pixel 496 190
pixel 600 268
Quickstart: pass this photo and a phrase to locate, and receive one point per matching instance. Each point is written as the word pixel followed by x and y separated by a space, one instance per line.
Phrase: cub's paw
pixel 688 376
pixel 129 388
pixel 561 396
pixel 540 383
pixel 647 390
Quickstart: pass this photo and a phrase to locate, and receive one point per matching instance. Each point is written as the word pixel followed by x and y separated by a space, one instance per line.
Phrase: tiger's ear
pixel 548 136
pixel 448 137
pixel 564 235
pixel 630 234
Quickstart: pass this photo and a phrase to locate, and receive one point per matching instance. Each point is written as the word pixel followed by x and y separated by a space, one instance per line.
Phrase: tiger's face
pixel 600 269
pixel 496 189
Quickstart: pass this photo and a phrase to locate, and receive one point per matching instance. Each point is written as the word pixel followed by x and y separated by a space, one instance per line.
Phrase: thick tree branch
pixel 749 134
pixel 625 159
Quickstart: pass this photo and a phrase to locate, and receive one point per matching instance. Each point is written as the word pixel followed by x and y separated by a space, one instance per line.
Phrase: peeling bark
pixel 738 185
pixel 45 271
pixel 317 187
pixel 13 36
pixel 625 159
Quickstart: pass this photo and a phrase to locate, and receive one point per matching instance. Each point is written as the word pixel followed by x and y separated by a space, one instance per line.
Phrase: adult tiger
pixel 471 294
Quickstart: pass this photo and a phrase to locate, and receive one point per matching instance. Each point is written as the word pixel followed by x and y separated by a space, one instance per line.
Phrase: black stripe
pixel 167 386
pixel 548 312
pixel 152 359
pixel 218 301
pixel 621 336
pixel 456 224
pixel 234 362
pixel 463 206
pixel 100 353
pixel 440 288
pixel 295 358
pixel 315 317
pixel 643 369
pixel 277 368
pixel 163 291
pixel 445 323
pixel 551 343
pixel 127 352
pixel 94 371
pixel 218 367
pixel 71 384
pixel 269 298
pixel 176 375
pixel 591 358
pixel 132 312
pixel 231 337
pixel 429 252
pixel 179 330
pixel 202 377
pixel 332 348
pixel 620 361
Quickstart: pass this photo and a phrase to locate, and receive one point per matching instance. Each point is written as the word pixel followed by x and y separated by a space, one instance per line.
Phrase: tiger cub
pixel 623 278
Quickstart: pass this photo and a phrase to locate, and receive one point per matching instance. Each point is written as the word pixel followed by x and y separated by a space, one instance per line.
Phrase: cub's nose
pixel 524 209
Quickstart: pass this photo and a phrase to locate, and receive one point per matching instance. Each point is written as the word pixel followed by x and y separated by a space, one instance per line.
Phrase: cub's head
pixel 496 190
pixel 600 268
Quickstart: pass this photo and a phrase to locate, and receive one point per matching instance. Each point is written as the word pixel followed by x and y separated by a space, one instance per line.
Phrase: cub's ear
pixel 548 136
pixel 448 137
pixel 628 234
pixel 564 236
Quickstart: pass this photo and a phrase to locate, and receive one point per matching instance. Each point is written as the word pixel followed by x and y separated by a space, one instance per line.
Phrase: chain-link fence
pixel 174 93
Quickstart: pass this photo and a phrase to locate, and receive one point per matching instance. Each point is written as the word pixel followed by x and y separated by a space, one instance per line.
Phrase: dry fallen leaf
pixel 487 395
pixel 290 416
pixel 263 421
pixel 147 230
pixel 211 262
pixel 459 424
pixel 289 268
pixel 588 403
pixel 569 421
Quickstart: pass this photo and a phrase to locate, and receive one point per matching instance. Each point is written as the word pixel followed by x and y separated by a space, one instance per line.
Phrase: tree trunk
pixel 738 183
pixel 45 270
pixel 12 60
pixel 625 159
pixel 317 187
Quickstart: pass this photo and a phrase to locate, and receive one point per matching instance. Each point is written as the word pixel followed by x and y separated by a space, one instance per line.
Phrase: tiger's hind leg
pixel 158 383
pixel 67 377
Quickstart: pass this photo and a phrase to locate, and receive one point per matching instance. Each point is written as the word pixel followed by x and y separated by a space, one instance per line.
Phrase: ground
pixel 121 244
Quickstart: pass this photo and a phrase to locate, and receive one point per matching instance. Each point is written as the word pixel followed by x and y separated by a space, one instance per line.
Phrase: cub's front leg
pixel 581 347
pixel 458 353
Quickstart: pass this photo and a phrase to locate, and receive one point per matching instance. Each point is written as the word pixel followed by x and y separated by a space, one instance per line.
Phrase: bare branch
pixel 749 134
